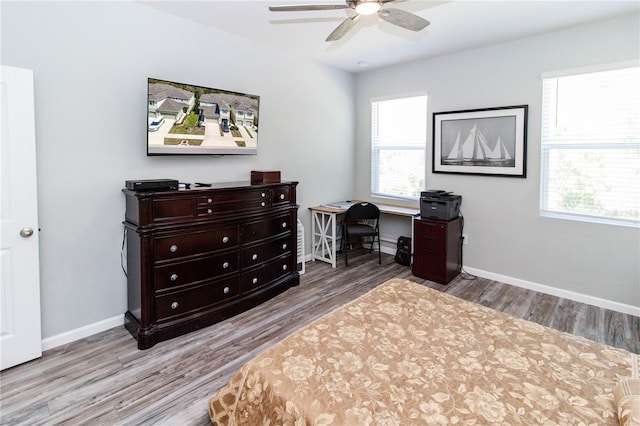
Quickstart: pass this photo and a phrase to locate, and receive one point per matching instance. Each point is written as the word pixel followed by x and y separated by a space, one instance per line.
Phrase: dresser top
pixel 217 186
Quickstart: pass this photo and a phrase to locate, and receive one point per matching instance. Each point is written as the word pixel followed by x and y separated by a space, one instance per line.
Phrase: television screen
pixel 185 119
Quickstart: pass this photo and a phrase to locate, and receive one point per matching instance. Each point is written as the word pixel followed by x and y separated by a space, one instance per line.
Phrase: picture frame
pixel 487 141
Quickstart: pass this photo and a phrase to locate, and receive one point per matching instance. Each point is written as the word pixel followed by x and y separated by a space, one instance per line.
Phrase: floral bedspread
pixel 404 354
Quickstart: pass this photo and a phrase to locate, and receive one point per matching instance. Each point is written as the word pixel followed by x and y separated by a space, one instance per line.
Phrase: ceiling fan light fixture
pixel 368 7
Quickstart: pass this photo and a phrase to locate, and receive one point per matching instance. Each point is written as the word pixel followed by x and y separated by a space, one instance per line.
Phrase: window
pixel 398 145
pixel 591 146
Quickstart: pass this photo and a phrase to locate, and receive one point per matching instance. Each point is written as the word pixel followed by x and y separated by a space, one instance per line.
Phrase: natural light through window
pixel 591 146
pixel 398 145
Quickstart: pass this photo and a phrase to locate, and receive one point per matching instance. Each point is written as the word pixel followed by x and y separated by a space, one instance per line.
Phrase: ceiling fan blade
pixel 305 7
pixel 403 19
pixel 343 28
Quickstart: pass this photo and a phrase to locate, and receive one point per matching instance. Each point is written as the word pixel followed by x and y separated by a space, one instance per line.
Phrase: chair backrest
pixel 363 210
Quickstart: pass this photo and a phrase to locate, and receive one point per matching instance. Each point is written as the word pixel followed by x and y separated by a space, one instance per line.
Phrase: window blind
pixel 398 146
pixel 590 165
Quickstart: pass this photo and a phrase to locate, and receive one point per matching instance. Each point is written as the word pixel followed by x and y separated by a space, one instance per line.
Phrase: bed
pixel 405 354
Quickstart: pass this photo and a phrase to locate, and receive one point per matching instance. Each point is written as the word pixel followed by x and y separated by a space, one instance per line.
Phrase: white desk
pixel 324 232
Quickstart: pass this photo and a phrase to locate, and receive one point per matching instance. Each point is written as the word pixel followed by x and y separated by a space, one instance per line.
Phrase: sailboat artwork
pixel 487 141
pixel 476 150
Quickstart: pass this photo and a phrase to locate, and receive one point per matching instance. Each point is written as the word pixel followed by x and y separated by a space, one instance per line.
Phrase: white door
pixel 20 338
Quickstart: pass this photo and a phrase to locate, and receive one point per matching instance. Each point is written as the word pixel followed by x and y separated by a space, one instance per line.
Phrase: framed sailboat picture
pixel 489 141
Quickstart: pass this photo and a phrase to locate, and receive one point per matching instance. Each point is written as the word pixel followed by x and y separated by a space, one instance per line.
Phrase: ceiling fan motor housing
pixel 394 16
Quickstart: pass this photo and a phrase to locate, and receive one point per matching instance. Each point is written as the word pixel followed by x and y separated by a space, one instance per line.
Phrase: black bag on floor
pixel 403 253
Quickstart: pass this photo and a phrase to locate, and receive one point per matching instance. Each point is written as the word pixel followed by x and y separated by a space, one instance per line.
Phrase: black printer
pixel 438 204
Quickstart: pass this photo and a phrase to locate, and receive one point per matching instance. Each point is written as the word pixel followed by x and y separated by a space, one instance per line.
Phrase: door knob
pixel 26 232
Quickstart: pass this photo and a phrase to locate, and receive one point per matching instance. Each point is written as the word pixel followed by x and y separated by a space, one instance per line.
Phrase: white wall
pixel 91 61
pixel 507 237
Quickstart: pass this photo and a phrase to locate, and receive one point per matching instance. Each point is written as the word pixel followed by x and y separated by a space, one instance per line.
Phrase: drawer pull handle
pixel 225 265
pixel 254 257
pixel 225 239
pixel 263 195
pixel 284 267
pixel 174 305
pixel 209 211
pixel 284 246
pixel 173 248
pixel 174 277
pixel 254 281
pixel 263 204
pixel 284 224
pixel 226 290
pixel 209 200
pixel 282 196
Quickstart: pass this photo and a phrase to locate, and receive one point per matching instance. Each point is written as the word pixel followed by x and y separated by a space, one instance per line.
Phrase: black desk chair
pixel 355 226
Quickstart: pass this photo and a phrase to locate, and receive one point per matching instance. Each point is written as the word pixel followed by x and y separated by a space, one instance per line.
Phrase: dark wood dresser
pixel 437 249
pixel 199 256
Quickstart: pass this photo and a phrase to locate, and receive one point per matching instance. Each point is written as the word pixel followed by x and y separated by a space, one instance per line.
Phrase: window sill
pixel 592 219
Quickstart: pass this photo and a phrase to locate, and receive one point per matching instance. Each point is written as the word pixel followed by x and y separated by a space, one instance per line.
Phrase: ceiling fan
pixel 394 16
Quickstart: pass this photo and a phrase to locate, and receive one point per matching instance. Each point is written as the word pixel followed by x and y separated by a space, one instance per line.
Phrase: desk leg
pixel 413 237
pixel 323 237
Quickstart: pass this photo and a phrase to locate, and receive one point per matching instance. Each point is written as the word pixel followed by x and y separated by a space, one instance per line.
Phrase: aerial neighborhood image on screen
pixel 186 119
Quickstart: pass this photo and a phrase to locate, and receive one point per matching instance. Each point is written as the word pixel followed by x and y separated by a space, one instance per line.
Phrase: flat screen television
pixel 185 119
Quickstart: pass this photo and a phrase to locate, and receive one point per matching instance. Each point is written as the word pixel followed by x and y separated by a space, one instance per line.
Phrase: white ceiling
pixel 455 26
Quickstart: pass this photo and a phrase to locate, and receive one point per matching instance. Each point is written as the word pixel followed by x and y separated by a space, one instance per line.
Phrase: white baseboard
pixel 391 247
pixel 558 292
pixel 97 327
pixel 81 333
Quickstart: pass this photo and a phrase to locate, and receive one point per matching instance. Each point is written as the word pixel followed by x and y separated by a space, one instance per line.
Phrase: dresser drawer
pixel 264 252
pixel 281 195
pixel 187 244
pixel 177 274
pixel 234 197
pixel 233 202
pixel 233 207
pixel 182 302
pixel 269 227
pixel 259 277
pixel 172 209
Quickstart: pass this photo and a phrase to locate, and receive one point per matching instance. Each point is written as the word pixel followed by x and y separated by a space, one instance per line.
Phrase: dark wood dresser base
pixel 196 257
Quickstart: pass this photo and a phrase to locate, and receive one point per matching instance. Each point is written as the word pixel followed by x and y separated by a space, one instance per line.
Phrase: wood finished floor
pixel 105 380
